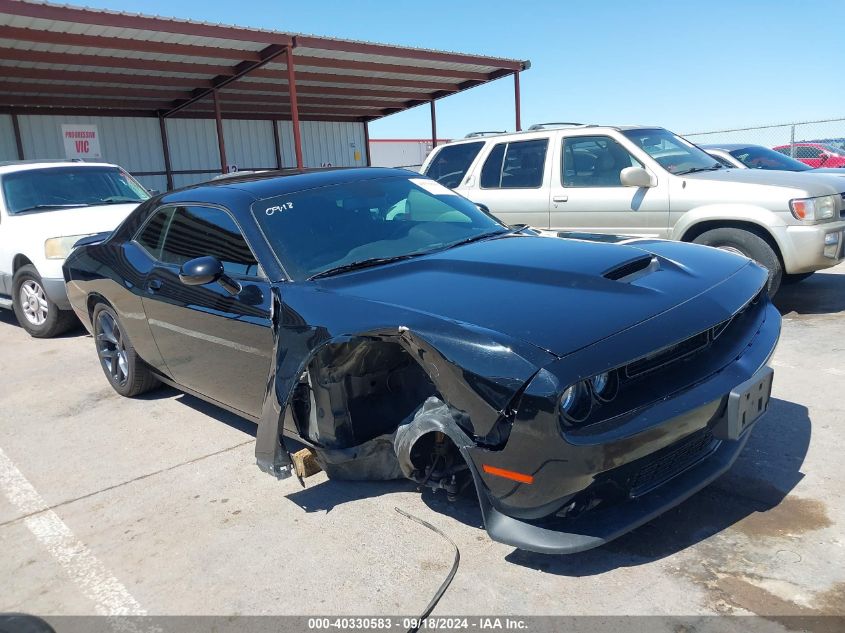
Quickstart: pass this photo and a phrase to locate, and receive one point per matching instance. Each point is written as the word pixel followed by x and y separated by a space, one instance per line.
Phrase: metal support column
pixel 276 145
pixel 369 162
pixel 516 101
pixel 17 130
pixel 221 143
pixel 294 107
pixel 433 125
pixel 165 150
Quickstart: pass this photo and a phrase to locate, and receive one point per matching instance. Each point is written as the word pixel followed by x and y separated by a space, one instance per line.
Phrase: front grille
pixel 685 348
pixel 677 459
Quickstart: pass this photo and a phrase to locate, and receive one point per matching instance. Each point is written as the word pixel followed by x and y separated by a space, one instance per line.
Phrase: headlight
pixel 575 402
pixel 605 385
pixel 60 247
pixel 820 208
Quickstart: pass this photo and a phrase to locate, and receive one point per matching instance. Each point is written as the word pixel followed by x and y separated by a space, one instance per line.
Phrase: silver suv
pixel 647 181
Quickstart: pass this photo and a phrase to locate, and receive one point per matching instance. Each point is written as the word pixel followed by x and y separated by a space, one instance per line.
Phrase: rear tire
pixel 749 244
pixel 126 372
pixel 34 310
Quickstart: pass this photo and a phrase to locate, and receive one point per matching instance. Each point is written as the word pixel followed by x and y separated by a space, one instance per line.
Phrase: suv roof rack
pixel 557 124
pixel 490 133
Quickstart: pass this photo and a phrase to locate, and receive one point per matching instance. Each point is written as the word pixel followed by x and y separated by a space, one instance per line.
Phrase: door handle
pixel 154 285
pixel 560 198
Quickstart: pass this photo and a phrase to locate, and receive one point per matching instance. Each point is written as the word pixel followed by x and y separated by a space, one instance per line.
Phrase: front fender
pixel 749 213
pixel 475 371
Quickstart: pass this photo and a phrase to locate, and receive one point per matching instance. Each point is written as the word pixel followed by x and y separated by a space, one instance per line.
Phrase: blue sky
pixel 688 66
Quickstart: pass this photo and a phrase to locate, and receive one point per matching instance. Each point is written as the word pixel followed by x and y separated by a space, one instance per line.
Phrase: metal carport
pixel 61 60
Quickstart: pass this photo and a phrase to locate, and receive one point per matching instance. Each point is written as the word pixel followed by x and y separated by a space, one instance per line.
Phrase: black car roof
pixel 276 183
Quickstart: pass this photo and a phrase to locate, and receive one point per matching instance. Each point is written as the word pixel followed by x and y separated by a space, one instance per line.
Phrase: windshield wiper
pixel 484 236
pixel 695 170
pixel 118 200
pixel 362 263
pixel 45 207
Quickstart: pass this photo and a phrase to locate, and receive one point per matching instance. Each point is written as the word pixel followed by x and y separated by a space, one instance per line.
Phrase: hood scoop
pixel 632 270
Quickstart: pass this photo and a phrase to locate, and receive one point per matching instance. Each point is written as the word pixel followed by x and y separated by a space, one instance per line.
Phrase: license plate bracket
pixel 746 403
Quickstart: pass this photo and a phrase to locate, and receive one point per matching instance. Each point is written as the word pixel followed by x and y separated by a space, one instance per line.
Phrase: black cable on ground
pixel 445 584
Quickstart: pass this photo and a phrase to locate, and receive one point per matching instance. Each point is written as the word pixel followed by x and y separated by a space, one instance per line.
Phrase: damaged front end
pixel 400 402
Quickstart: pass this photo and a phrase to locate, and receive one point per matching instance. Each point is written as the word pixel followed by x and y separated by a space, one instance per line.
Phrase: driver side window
pixel 175 235
pixel 594 161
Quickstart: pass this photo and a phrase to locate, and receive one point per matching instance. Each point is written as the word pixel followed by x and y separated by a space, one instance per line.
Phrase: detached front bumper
pixel 810 248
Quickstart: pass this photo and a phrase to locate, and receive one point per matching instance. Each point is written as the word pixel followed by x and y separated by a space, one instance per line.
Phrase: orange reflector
pixel 508 474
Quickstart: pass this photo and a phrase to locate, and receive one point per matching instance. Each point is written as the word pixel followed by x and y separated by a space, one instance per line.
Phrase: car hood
pixel 76 221
pixel 813 184
pixel 557 294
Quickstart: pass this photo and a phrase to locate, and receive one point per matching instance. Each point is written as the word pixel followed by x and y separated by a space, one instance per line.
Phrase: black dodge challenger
pixel 581 387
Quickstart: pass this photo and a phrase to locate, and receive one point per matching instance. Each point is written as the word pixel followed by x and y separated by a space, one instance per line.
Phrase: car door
pixel 587 194
pixel 513 182
pixel 212 342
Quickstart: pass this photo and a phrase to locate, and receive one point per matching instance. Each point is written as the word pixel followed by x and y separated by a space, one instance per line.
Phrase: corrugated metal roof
pixel 75 52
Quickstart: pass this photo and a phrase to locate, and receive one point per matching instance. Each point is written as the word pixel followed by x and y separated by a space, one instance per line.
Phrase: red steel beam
pixel 294 106
pixel 165 148
pixel 360 80
pixel 433 125
pixel 143 79
pixel 408 53
pixel 367 143
pixel 376 67
pixel 256 116
pixel 125 103
pixel 267 55
pixel 221 142
pixel 158 84
pixel 103 61
pixel 277 146
pixel 124 44
pixel 20 89
pixel 127 21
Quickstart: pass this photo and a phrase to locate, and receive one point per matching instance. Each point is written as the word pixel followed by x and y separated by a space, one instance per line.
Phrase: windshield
pixel 319 230
pixel 66 187
pixel 759 157
pixel 675 154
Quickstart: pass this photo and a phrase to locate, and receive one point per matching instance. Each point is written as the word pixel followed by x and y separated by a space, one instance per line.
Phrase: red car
pixel 814 154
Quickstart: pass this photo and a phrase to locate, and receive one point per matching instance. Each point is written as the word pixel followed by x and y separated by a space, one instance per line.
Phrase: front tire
pixel 749 244
pixel 126 372
pixel 35 312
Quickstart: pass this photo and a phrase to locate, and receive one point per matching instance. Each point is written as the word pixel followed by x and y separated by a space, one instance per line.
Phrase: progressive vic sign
pixel 81 141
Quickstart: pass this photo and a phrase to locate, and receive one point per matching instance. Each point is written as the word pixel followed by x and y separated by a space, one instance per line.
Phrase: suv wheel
pixel 126 372
pixel 749 244
pixel 35 312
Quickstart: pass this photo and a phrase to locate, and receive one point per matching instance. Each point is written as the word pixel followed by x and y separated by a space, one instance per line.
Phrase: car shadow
pixel 766 471
pixel 325 496
pixel 821 293
pixel 8 316
pixel 201 406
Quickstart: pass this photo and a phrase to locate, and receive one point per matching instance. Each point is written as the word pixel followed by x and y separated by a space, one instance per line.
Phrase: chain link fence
pixel 787 137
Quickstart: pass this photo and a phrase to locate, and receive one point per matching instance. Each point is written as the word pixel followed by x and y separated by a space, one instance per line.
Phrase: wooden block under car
pixel 305 463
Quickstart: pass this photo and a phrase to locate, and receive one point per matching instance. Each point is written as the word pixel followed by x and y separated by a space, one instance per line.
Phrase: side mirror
pixel 206 270
pixel 824 158
pixel 636 177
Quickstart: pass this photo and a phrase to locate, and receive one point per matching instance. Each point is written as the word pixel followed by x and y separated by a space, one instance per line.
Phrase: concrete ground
pixel 155 506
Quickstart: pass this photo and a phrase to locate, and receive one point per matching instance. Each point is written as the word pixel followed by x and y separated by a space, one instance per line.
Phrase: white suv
pixel 648 182
pixel 45 208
